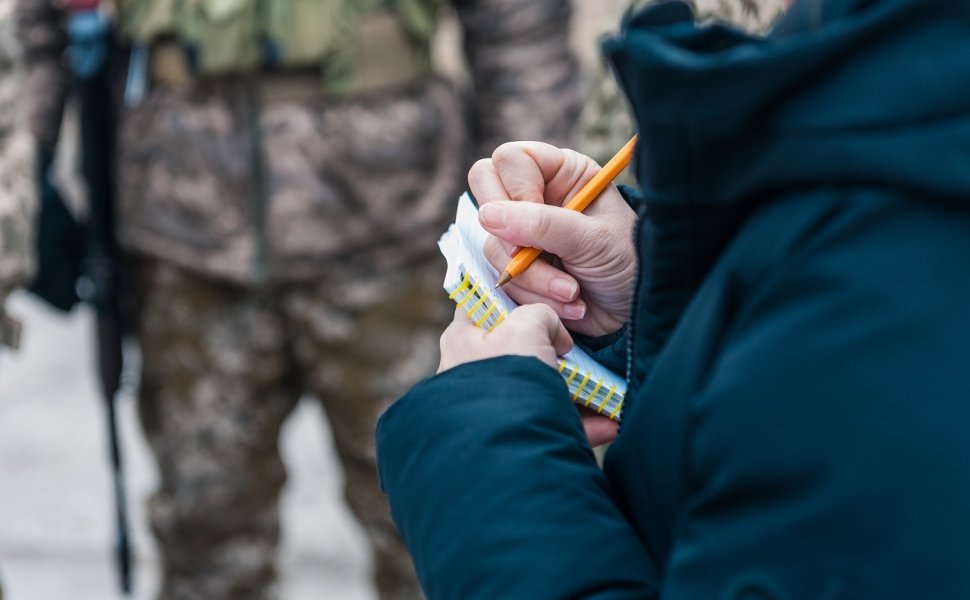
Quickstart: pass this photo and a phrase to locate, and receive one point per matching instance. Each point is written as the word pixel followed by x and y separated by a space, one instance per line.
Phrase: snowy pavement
pixel 56 532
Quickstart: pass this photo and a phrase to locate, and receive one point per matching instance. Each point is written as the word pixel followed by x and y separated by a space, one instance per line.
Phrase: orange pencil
pixel 583 198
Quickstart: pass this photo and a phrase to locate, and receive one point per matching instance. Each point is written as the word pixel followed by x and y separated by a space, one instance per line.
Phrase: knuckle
pixel 535 219
pixel 541 313
pixel 548 314
pixel 505 153
pixel 578 162
pixel 451 331
pixel 479 170
pixel 520 316
pixel 584 166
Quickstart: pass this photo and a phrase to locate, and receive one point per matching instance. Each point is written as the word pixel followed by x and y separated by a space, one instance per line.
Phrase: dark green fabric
pixel 798 419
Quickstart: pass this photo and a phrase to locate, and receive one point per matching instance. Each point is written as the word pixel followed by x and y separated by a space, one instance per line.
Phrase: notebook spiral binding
pixel 474 297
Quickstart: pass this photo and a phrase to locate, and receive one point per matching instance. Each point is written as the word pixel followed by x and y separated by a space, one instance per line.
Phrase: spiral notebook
pixel 470 282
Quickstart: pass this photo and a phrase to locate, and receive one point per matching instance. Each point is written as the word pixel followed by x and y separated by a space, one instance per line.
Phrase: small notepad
pixel 470 282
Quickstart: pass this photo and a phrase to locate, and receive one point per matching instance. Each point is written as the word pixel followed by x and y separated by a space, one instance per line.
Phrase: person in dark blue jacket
pixel 797 341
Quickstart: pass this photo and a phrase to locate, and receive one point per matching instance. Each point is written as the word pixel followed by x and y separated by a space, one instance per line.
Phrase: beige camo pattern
pixel 340 187
pixel 17 196
pixel 223 369
pixel 331 183
pixel 524 73
pixel 605 123
pixel 297 256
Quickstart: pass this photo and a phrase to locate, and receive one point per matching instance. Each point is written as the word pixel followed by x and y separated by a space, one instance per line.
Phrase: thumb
pixel 546 318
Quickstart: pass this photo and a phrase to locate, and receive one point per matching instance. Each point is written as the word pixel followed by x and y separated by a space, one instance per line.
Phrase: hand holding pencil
pixel 522 190
pixel 583 198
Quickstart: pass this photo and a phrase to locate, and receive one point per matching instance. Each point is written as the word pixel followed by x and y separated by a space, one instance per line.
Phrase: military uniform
pixel 17 196
pixel 284 223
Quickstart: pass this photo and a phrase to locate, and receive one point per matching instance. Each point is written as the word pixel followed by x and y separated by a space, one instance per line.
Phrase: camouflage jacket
pixel 322 185
pixel 16 193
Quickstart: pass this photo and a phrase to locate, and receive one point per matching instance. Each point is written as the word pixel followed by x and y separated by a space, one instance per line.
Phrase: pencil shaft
pixel 599 182
pixel 583 198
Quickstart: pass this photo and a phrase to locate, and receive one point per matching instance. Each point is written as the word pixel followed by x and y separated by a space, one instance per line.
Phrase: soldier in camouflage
pixel 284 221
pixel 17 196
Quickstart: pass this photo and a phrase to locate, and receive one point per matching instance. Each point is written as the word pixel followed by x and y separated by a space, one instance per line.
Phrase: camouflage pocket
pixel 185 189
pixel 371 181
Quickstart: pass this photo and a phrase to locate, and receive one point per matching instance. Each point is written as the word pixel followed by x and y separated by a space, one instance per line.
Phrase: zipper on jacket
pixel 641 215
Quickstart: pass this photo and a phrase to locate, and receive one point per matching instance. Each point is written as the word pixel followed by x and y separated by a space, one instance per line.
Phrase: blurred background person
pixel 283 170
pixel 17 197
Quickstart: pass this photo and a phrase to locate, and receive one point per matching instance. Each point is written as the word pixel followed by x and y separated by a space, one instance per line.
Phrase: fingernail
pixel 563 289
pixel 576 310
pixel 492 215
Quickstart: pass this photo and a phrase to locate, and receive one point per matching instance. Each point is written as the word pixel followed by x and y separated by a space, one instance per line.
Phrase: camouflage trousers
pixel 224 366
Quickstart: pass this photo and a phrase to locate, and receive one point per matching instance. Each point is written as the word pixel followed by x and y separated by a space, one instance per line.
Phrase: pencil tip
pixel 503 279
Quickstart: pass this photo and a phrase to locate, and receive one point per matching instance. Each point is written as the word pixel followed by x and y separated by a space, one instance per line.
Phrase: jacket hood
pixel 839 93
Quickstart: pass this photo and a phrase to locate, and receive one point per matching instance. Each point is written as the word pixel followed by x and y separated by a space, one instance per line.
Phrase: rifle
pixel 90 51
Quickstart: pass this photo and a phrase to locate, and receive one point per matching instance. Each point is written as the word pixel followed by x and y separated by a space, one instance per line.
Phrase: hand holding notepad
pixel 471 282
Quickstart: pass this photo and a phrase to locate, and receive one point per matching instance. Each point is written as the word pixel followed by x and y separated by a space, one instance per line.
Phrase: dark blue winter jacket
pixel 798 420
